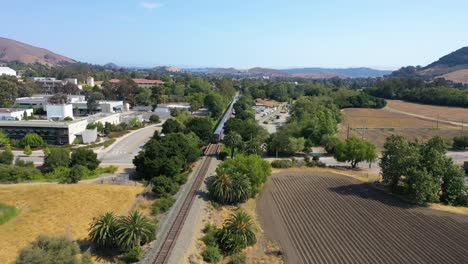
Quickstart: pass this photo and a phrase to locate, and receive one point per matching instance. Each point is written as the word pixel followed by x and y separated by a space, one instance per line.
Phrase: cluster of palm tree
pixel 229 186
pixel 237 233
pixel 124 232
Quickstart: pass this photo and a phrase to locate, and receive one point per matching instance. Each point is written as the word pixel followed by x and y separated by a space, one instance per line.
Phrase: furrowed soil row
pixel 312 218
pixel 332 219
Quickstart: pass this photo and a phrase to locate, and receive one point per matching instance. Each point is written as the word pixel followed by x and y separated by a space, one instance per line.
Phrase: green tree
pixel 6 156
pixel 211 254
pixel 253 166
pixel 102 230
pixel 51 250
pixel 85 157
pixel 8 92
pixel 32 139
pixel 172 126
pixel 134 230
pixel 4 140
pixel 57 157
pixel 355 150
pixel 398 158
pixel 422 187
pixel 453 188
pixel 233 140
pixel 27 150
pixel 135 123
pixel 238 232
pixel 202 127
pixel 229 187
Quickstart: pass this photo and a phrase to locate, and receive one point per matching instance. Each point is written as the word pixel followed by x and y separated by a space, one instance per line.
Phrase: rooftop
pixel 12 110
pixel 139 81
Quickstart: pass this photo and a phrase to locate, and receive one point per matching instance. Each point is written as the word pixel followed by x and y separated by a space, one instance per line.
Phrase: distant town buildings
pixel 7 71
pixel 14 113
pixel 78 103
pixel 144 83
pixel 90 81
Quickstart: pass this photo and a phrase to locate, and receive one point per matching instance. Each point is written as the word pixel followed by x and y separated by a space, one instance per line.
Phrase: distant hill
pixel 347 72
pixel 12 50
pixel 308 73
pixel 453 67
pixel 112 66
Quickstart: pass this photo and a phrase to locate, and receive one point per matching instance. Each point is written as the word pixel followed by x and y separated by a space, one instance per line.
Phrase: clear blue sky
pixel 385 34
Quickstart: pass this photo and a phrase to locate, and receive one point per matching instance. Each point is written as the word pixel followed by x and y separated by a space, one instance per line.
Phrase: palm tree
pixel 229 187
pixel 238 232
pixel 134 230
pixel 102 230
pixel 233 140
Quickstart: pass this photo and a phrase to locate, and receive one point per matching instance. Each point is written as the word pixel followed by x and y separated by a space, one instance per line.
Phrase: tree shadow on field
pixel 102 255
pixel 368 192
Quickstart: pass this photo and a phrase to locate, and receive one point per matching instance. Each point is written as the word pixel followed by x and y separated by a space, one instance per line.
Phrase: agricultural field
pixel 323 217
pixel 57 209
pixel 454 114
pixel 376 125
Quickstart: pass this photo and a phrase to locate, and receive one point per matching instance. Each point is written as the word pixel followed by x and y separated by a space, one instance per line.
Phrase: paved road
pixel 125 149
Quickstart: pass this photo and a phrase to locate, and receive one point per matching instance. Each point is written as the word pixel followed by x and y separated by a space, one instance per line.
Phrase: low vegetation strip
pixel 7 212
pixel 331 218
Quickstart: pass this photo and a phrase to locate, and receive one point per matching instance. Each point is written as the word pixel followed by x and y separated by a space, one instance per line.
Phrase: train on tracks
pixel 219 131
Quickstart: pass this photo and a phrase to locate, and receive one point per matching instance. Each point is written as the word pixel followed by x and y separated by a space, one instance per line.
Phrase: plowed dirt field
pixel 320 217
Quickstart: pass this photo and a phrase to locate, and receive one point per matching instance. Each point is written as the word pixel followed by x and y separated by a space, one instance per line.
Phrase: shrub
pixel 27 150
pixel 163 186
pixel 211 254
pixel 68 118
pixel 56 157
pixel 10 173
pixel 154 119
pixel 330 142
pixel 131 256
pixel 282 164
pixel 77 173
pixel 181 178
pixel 50 250
pixel 31 139
pixel 6 156
pixel 59 173
pixel 210 238
pixel 238 259
pixel 162 205
pixel 21 163
pixel 85 157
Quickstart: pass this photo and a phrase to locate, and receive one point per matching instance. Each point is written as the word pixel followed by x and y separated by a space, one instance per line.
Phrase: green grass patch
pixel 7 212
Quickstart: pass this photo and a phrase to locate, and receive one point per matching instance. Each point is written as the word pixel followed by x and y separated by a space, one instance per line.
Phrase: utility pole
pixel 347 133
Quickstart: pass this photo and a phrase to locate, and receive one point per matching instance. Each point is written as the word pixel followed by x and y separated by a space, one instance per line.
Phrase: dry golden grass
pixel 454 114
pixel 380 118
pixel 380 124
pixel 57 209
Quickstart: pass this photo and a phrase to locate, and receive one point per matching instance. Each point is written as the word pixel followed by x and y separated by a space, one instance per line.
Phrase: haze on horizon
pixel 242 34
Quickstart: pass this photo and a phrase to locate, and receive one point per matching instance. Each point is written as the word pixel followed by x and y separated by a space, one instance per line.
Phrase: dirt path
pixel 427 118
pixel 322 217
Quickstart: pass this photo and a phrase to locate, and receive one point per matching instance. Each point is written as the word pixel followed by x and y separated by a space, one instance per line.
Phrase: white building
pixel 7 71
pixel 59 111
pixel 72 81
pixel 90 81
pixel 14 113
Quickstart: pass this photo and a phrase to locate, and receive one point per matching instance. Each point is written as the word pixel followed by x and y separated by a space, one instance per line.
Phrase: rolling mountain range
pixel 311 73
pixel 12 50
pixel 453 67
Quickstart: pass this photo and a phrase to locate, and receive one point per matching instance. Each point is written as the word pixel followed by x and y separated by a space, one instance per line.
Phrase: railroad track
pixel 171 237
